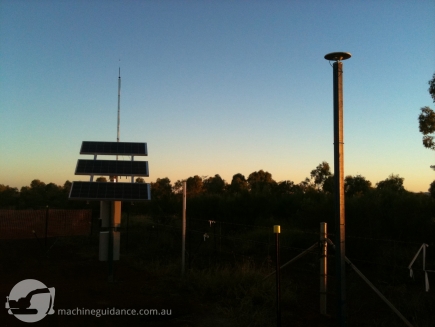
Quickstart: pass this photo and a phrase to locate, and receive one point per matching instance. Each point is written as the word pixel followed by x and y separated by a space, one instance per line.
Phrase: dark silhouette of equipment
pixel 21 306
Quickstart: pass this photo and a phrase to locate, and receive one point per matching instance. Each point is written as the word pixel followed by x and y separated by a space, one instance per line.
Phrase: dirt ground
pixel 80 281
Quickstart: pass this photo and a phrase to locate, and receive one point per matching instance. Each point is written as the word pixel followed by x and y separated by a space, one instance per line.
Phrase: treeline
pixel 382 210
pixel 36 196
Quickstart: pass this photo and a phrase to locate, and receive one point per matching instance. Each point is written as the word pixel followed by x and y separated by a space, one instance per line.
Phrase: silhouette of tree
pixel 238 184
pixel 214 185
pixel 8 196
pixel 393 183
pixel 356 185
pixel 194 185
pixel 162 188
pixel 426 119
pixel 261 182
pixel 432 189
pixel 320 174
pixel 285 187
pixel 328 184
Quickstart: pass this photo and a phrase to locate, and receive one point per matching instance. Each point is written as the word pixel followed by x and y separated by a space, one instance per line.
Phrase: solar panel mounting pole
pixel 132 177
pixel 110 249
pixel 337 57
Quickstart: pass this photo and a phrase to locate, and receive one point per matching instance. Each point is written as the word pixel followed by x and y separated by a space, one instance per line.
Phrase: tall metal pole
pixel 323 267
pixel 340 222
pixel 183 233
pixel 339 182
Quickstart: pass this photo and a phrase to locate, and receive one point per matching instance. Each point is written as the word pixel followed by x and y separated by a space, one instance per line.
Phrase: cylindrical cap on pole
pixel 277 229
pixel 337 56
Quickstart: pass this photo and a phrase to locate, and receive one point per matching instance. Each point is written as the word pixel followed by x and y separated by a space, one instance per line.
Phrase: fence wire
pixel 22 224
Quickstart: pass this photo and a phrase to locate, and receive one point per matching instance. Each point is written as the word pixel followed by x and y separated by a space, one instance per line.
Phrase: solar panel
pixel 112 167
pixel 114 148
pixel 110 191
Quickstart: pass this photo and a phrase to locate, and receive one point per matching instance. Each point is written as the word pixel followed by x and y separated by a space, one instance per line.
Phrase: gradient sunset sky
pixel 215 87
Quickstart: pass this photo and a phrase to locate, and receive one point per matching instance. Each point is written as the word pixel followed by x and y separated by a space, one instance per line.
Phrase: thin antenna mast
pixel 119 106
pixel 119 102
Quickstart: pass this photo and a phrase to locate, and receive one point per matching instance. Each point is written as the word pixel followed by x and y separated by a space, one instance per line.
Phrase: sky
pixel 215 87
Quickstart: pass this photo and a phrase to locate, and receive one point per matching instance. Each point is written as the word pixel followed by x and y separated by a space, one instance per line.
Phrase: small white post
pixel 323 267
pixel 183 232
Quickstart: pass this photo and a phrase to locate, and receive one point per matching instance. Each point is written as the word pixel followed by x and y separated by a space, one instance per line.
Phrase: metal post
pixel 127 229
pixel 46 224
pixel 339 190
pixel 110 250
pixel 277 231
pixel 183 233
pixel 132 177
pixel 91 179
pixel 323 267
pixel 339 182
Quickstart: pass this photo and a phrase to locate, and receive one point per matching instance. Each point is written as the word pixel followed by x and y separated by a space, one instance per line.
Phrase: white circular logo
pixel 30 300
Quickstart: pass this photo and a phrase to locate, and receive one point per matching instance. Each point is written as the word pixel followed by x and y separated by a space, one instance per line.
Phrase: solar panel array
pixel 114 148
pixel 112 168
pixel 110 191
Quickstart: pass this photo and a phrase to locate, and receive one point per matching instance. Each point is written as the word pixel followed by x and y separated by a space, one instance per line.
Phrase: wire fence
pixel 210 244
pixel 207 237
pixel 23 224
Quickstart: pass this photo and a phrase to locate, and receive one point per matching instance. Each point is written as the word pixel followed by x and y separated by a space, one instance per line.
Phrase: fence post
pixel 323 266
pixel 183 233
pixel 277 231
pixel 46 224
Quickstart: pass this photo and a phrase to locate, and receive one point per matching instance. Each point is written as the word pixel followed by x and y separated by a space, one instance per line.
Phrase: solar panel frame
pixel 112 167
pixel 114 148
pixel 110 191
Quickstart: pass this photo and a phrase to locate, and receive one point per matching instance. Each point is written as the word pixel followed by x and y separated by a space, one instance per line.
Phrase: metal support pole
pixel 339 217
pixel 323 267
pixel 183 233
pixel 277 231
pixel 132 177
pixel 128 225
pixel 91 179
pixel 339 191
pixel 110 250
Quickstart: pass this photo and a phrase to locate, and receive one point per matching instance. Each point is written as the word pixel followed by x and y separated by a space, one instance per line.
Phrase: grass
pixel 227 273
pixel 238 292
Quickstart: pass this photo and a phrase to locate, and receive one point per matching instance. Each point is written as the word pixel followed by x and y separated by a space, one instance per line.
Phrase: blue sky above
pixel 215 87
